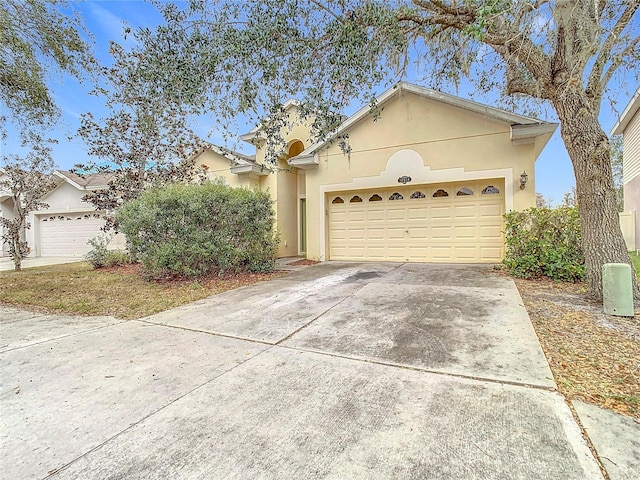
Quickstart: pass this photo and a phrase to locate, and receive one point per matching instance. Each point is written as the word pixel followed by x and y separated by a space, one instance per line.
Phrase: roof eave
pixel 250 169
pixel 304 162
pixel 628 113
pixel 523 134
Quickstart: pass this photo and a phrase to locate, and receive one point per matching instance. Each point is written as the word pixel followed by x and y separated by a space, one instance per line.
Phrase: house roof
pixel 522 127
pixel 627 114
pixel 90 181
pixel 236 157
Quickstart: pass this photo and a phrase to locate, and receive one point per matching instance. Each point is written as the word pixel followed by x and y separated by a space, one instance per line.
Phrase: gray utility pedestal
pixel 617 294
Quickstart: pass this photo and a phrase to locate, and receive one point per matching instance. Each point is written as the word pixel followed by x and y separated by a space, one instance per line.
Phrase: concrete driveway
pixel 340 370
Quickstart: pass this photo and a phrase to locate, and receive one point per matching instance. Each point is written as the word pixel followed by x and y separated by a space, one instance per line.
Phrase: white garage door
pixel 453 222
pixel 66 235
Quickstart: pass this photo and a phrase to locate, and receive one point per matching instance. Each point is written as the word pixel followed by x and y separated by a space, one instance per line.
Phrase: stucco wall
pixel 6 211
pixel 427 140
pixel 218 166
pixel 67 198
pixel 283 185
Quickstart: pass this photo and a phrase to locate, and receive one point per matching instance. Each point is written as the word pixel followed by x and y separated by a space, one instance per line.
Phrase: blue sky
pixel 104 19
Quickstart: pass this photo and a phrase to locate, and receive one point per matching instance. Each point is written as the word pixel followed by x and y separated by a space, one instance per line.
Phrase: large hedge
pixel 545 242
pixel 193 230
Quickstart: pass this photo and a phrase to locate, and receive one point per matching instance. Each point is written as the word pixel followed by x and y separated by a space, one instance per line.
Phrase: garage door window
pixel 418 195
pixel 337 200
pixel 375 198
pixel 355 199
pixel 489 190
pixel 396 196
pixel 440 193
pixel 464 191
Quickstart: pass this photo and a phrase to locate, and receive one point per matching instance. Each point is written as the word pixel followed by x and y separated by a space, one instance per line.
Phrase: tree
pixel 250 56
pixel 570 199
pixel 616 167
pixel 542 202
pixel 27 180
pixel 38 39
pixel 144 141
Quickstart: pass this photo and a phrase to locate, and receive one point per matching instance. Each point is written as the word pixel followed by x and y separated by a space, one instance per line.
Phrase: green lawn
pixel 78 289
pixel 635 258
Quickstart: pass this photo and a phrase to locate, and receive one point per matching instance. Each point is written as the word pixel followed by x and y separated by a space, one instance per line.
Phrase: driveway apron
pixel 339 370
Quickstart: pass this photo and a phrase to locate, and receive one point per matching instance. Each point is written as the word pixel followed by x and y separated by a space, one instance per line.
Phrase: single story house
pixel 629 127
pixel 428 181
pixel 63 229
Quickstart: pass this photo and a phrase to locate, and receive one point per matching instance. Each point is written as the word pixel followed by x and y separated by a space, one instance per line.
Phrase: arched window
pixel 355 199
pixel 490 189
pixel 440 193
pixel 375 198
pixel 464 191
pixel 396 196
pixel 337 200
pixel 417 195
pixel 295 148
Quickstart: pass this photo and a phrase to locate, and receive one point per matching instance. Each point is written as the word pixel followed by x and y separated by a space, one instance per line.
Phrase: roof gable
pixel 256 131
pixel 235 158
pixel 525 126
pixel 90 181
pixel 628 114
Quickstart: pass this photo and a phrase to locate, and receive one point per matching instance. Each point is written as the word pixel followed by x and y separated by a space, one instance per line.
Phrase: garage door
pixel 66 235
pixel 459 223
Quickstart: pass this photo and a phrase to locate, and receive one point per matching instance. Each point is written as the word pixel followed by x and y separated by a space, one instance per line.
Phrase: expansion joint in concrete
pixel 134 424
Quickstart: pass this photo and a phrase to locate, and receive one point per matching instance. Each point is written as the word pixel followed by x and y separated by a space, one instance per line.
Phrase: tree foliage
pixel 26 180
pixel 143 141
pixel 542 201
pixel 37 40
pixel 616 167
pixel 251 56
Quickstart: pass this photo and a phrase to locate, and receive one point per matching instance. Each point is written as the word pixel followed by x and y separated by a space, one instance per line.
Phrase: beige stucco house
pixel 429 180
pixel 629 127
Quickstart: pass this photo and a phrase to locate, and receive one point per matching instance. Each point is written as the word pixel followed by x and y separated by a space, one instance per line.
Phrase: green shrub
pixel 545 242
pixel 99 256
pixel 115 258
pixel 193 230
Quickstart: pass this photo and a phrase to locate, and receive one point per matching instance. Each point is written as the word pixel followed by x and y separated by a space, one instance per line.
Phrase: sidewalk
pixel 7 264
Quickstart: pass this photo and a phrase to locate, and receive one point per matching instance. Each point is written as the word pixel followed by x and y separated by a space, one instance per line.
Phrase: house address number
pixel 404 179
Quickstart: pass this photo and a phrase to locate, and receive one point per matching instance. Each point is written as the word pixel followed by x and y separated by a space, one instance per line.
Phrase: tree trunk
pixel 588 148
pixel 17 254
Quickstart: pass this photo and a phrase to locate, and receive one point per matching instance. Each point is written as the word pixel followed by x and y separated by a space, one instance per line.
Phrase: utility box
pixel 617 293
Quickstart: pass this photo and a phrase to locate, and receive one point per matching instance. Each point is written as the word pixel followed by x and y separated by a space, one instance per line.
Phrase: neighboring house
pixel 6 211
pixel 429 180
pixel 63 229
pixel 629 127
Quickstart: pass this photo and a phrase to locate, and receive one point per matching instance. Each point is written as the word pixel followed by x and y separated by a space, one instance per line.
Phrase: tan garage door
pixel 66 235
pixel 452 222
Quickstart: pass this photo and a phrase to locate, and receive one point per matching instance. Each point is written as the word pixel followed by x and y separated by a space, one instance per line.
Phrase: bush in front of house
pixel 545 242
pixel 100 256
pixel 194 230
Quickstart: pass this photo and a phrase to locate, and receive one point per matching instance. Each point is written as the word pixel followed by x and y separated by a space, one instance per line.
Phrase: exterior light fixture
pixel 524 178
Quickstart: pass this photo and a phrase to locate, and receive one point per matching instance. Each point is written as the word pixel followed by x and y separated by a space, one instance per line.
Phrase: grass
pixel 78 289
pixel 635 259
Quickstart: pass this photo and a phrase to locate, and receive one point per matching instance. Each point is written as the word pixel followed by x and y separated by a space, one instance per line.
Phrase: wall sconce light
pixel 523 179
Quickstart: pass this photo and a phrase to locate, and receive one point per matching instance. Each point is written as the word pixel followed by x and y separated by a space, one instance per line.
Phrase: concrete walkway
pixel 339 370
pixel 6 263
